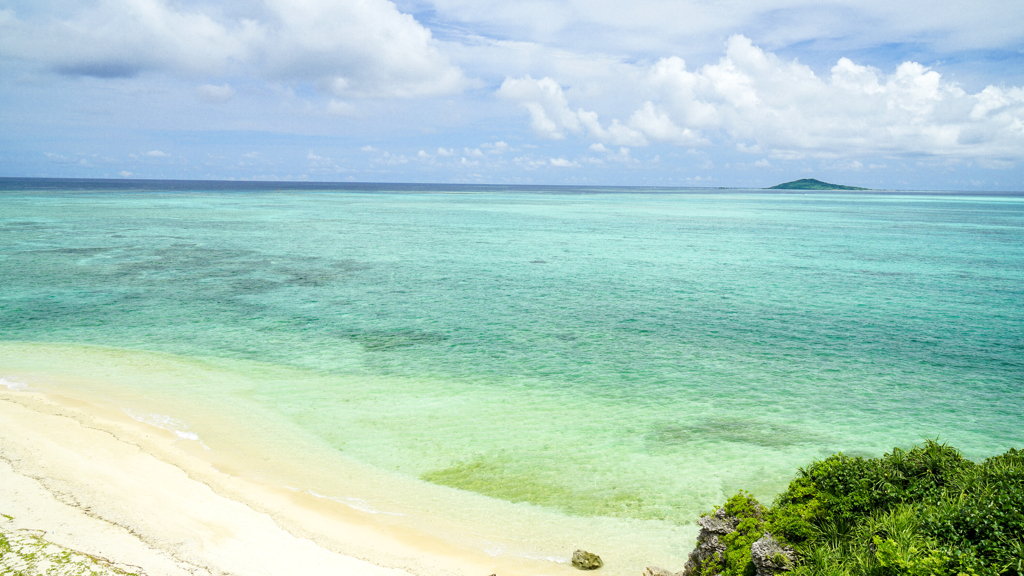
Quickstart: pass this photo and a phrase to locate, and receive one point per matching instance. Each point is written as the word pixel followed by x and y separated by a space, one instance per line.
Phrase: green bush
pixel 926 511
pixel 737 554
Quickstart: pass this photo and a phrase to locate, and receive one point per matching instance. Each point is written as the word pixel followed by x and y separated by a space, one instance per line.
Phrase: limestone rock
pixel 709 547
pixel 770 557
pixel 586 561
pixel 718 523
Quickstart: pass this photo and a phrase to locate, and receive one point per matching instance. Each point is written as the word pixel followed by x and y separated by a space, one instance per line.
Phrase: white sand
pixel 93 480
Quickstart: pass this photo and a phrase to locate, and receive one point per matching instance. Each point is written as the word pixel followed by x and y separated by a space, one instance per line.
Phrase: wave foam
pixel 165 422
pixel 355 503
pixel 15 386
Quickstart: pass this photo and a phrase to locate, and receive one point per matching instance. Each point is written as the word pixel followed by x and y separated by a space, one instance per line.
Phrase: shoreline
pixel 158 404
pixel 102 484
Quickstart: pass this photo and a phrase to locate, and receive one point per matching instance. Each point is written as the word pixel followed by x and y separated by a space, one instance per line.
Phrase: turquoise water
pixel 628 354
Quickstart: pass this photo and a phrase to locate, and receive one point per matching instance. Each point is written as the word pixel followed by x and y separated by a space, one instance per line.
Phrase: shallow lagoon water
pixel 626 357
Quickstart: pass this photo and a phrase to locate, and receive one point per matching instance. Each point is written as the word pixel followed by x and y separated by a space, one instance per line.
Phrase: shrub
pixel 927 511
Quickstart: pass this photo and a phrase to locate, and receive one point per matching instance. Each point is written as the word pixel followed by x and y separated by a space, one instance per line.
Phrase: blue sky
pixel 882 94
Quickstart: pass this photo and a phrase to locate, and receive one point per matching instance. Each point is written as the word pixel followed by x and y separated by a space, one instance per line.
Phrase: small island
pixel 812 184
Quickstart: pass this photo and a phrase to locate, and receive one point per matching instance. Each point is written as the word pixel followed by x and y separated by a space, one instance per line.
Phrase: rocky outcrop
pixel 709 544
pixel 586 561
pixel 770 557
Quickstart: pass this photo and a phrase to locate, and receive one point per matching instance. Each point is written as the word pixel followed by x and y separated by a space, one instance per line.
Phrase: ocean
pixel 520 368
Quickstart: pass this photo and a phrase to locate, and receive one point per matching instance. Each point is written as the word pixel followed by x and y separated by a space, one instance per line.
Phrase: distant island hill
pixel 812 184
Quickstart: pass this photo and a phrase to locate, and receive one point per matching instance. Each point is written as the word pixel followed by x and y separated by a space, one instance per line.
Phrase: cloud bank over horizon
pixel 762 105
pixel 680 93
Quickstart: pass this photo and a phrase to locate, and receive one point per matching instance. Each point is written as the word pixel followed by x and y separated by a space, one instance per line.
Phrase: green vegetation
pixel 27 553
pixel 923 512
pixel 812 184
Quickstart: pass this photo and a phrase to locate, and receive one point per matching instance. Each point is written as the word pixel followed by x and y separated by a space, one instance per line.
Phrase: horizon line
pixel 169 184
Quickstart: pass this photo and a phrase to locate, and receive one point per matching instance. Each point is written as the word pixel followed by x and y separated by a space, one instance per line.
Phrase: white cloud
pixel 530 163
pixel 550 116
pixel 59 158
pixel 125 174
pixel 563 163
pixel 215 94
pixel 118 38
pixel 620 155
pixel 993 164
pixel 348 48
pixel 357 48
pixel 841 165
pixel 656 125
pixel 784 107
pixel 340 108
pixel 445 151
pixel 157 154
pixel 392 159
pixel 657 25
pixel 499 147
pixel 317 161
pixel 762 104
pixel 623 155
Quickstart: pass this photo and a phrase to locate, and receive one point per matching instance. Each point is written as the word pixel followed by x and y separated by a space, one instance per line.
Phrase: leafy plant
pixel 926 511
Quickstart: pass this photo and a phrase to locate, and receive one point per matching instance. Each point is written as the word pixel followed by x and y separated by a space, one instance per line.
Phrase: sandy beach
pixel 90 479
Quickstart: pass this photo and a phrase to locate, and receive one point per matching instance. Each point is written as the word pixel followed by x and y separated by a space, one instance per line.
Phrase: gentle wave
pixel 165 422
pixel 15 386
pixel 354 503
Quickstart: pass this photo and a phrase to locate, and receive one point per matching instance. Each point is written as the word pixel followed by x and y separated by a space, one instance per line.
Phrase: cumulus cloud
pixel 760 104
pixel 215 94
pixel 356 48
pixel 530 163
pixel 766 104
pixel 348 48
pixel 551 117
pixel 119 38
pixel 499 147
pixel 157 154
pixel 563 163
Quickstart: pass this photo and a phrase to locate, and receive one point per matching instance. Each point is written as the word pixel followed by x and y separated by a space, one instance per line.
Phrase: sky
pixel 914 94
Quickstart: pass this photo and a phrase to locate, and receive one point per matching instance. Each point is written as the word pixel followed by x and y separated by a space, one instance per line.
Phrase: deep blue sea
pixel 620 359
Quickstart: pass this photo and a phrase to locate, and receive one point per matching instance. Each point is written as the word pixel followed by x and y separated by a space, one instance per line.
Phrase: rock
pixel 719 523
pixel 586 561
pixel 709 547
pixel 770 557
pixel 655 571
